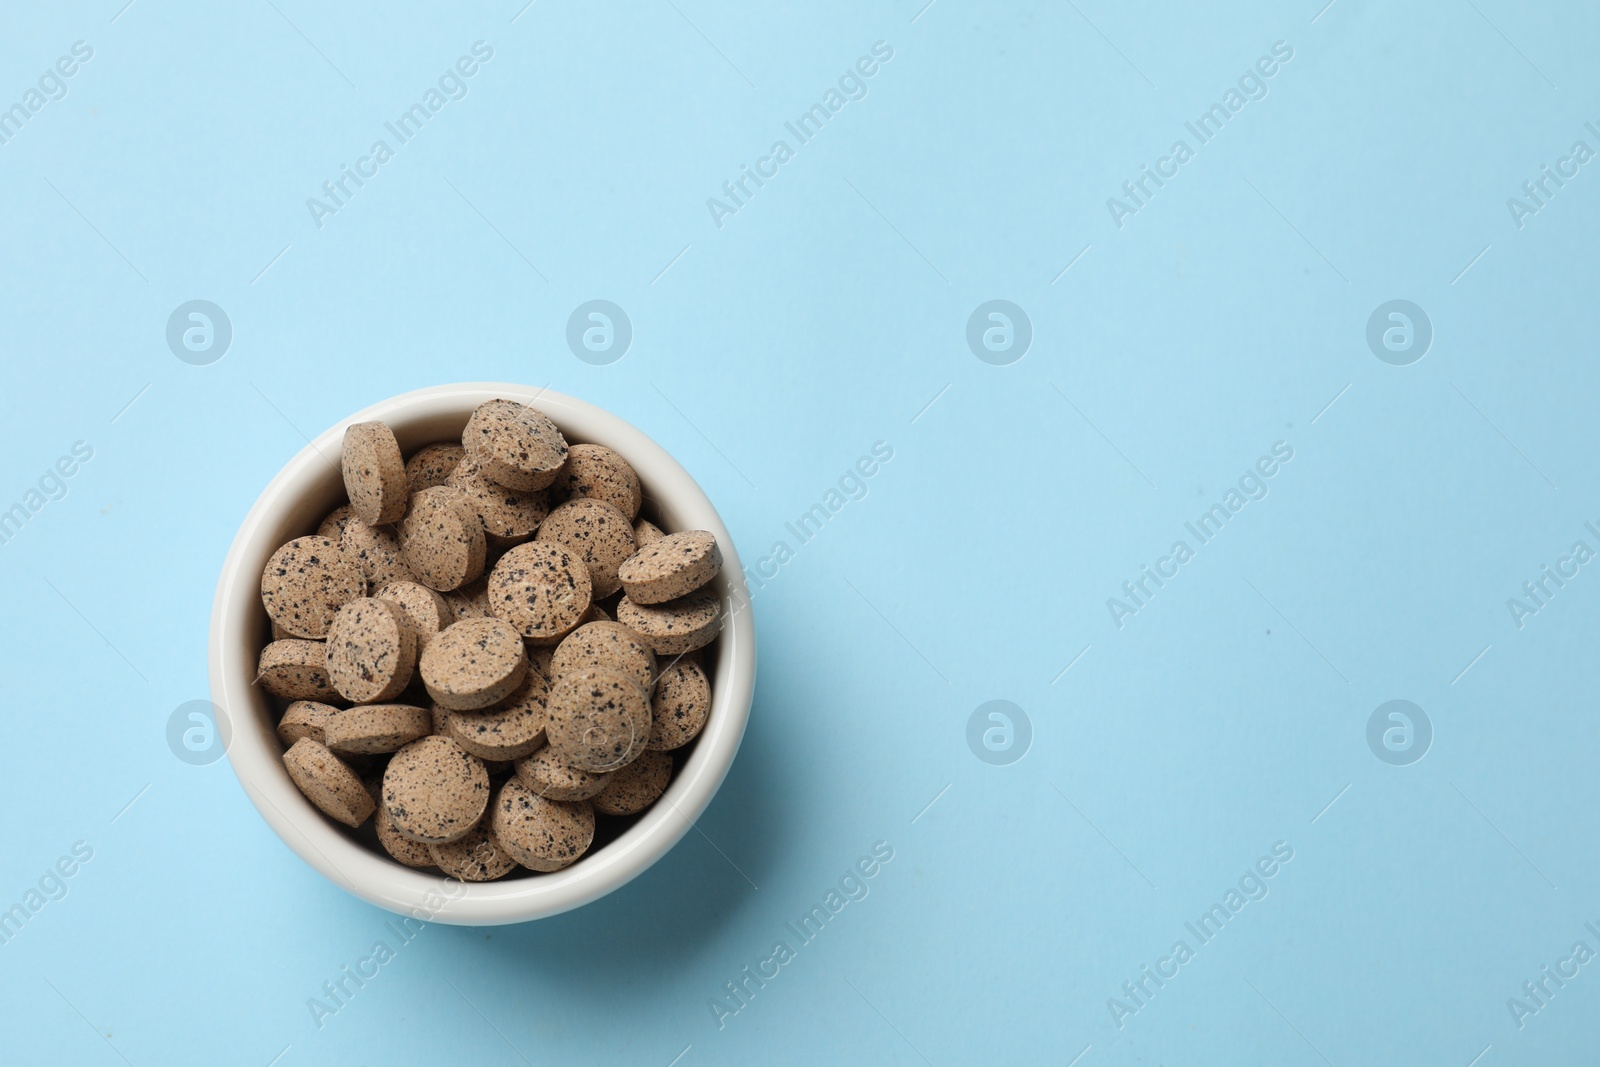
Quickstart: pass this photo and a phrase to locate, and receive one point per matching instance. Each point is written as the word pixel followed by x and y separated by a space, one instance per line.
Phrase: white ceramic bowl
pixel 296 500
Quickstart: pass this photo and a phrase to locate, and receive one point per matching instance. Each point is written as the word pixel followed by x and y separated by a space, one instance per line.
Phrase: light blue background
pixel 1224 316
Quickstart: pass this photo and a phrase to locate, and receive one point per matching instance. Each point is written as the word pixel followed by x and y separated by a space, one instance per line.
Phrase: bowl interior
pixel 309 487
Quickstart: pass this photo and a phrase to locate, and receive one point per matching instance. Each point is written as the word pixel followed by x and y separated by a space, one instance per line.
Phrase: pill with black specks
pixel 442 540
pixel 473 664
pixel 430 465
pixel 371 652
pixel 327 782
pixel 514 445
pixel 542 590
pixel 598 534
pixel 374 473
pixel 369 729
pixel 296 669
pixel 435 791
pixel 636 786
pixel 306 582
pixel 597 472
pixel 674 566
pixel 540 834
pixel 599 719
pixel 677 626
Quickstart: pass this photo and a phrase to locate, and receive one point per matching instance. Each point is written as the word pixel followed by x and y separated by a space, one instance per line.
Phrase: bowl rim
pixel 255 753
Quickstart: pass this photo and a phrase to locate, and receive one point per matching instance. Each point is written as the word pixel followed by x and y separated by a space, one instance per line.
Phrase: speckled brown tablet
pixel 332 527
pixel 597 472
pixel 435 790
pixel 325 780
pixel 373 728
pixel 508 515
pixel 645 531
pixel 598 534
pixel 540 834
pixel 547 775
pixel 541 589
pixel 376 550
pixel 471 601
pixel 672 567
pixel 477 857
pixel 636 786
pixel 539 657
pixel 304 718
pixel 431 465
pixel 374 473
pixel 473 664
pixel 441 539
pixel 677 626
pixel 605 644
pixel 514 445
pixel 425 611
pixel 296 669
pixel 599 719
pixel 306 582
pixel 679 706
pixel 371 651
pixel 511 729
pixel 409 852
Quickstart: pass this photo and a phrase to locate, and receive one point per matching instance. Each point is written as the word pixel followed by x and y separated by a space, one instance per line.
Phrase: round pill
pixel 598 534
pixel 539 657
pixel 376 550
pixel 473 664
pixel 477 857
pixel 431 465
pixel 605 644
pixel 471 601
pixel 645 531
pixel 672 567
pixel 306 582
pixel 333 526
pixel 425 611
pixel 506 514
pixel 679 706
pixel 374 473
pixel 325 780
pixel 435 790
pixel 541 589
pixel 547 775
pixel 514 445
pixel 304 718
pixel 371 651
pixel 597 472
pixel 599 719
pixel 676 627
pixel 373 728
pixel 441 539
pixel 542 835
pixel 409 852
pixel 636 786
pixel 511 729
pixel 296 669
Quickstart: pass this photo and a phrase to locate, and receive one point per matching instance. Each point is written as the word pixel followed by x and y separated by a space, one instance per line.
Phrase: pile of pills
pixel 488 647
